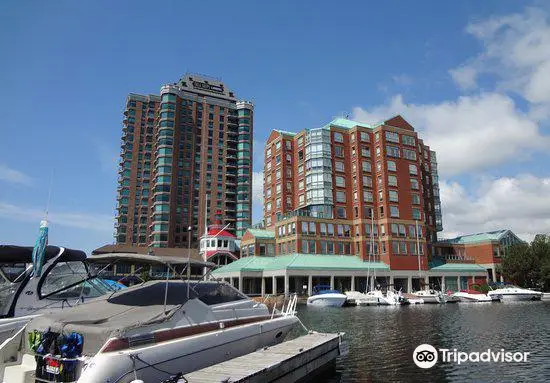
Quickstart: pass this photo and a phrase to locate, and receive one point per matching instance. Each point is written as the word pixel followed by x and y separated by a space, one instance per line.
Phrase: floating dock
pixel 298 359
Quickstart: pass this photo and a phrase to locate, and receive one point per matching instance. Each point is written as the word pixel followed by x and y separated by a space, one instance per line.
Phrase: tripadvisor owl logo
pixel 425 356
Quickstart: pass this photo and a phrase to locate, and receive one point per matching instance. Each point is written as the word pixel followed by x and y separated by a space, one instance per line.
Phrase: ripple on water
pixel 382 340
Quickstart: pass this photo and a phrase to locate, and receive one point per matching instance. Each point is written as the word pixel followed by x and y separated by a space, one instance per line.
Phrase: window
pixel 323 228
pixel 339 166
pixel 367 196
pixel 312 228
pixel 412 231
pixel 403 247
pixel 300 184
pixel 339 151
pixel 395 247
pixel 367 181
pixel 340 181
pixel 393 196
pixel 394 212
pixel 340 196
pixel 393 151
pixel 340 212
pixel 365 137
pixel 408 140
pixel 305 227
pixel 340 230
pixel 338 137
pixel 378 166
pixel 413 170
pixel 278 145
pixel 394 229
pixel 378 151
pixel 415 199
pixel 330 229
pixel 365 152
pixel 366 166
pixel 414 183
pixel 391 166
pixel 392 180
pixel 301 199
pixel 416 213
pixel 380 195
pixel 402 230
pixel 268 153
pixel 392 137
pixel 64 274
pixel 301 169
pixel 268 207
pixel 409 154
pixel 288 145
pixel 278 175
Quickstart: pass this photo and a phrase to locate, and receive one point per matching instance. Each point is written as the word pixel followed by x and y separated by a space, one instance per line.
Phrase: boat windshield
pixel 70 280
pixel 11 277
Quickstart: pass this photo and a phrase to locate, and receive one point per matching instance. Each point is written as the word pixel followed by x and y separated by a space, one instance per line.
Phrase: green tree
pixel 541 250
pixel 521 266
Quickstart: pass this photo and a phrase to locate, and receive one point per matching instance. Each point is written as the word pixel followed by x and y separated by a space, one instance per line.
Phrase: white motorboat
pixel 514 293
pixel 66 281
pixel 377 298
pixel 149 332
pixel 430 296
pixel 471 296
pixel 324 296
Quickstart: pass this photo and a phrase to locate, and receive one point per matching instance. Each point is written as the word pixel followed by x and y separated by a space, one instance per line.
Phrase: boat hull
pixel 186 354
pixel 519 297
pixel 327 300
pixel 472 298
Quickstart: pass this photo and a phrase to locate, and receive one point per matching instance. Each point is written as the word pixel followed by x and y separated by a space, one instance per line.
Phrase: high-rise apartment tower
pixel 191 144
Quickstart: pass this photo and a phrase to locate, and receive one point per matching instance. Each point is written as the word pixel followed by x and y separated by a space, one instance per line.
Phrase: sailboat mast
pixel 372 248
pixel 418 249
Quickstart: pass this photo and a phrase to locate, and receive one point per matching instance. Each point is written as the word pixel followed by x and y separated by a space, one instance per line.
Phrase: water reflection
pixel 382 340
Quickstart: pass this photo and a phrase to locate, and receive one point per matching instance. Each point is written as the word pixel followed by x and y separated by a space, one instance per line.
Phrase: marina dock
pixel 289 361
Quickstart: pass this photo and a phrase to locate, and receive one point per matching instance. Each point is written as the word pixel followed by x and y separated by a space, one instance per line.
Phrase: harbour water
pixel 382 340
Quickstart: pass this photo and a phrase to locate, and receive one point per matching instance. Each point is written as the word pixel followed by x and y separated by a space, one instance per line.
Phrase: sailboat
pixel 428 295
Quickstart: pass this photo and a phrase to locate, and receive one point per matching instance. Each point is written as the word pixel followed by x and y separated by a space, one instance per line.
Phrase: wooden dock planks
pixel 286 362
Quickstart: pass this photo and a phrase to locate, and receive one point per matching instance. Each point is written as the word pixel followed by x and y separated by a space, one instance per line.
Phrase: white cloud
pixel 520 203
pixel 464 76
pixel 89 221
pixel 516 49
pixel 471 133
pixel 14 176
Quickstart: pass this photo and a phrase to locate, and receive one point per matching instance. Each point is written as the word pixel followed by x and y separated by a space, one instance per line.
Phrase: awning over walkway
pixel 458 268
pixel 299 261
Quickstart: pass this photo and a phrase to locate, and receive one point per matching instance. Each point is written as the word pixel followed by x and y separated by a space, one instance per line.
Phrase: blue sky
pixel 470 75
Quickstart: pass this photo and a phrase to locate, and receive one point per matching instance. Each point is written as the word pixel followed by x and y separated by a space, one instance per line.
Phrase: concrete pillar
pixel 274 284
pixel 443 283
pixel 409 284
pixel 458 283
pixel 391 281
pixel 427 282
pixel 310 285
pixel 287 287
pixel 332 282
pixel 501 278
pixel 494 274
pixel 263 287
pixel 352 287
pixel 241 287
pixel 473 279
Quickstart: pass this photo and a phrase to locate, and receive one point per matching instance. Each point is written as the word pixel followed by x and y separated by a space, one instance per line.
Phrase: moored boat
pixel 471 296
pixel 514 293
pixel 324 296
pixel 148 332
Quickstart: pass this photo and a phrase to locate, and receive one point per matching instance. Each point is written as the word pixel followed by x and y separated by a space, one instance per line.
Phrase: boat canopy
pixel 23 254
pixel 145 259
pixel 134 307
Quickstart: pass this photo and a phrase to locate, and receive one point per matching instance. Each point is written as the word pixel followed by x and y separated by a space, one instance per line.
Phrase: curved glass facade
pixel 318 167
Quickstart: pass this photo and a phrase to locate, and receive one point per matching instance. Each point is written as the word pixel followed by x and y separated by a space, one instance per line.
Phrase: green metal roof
pixel 345 123
pixel 488 236
pixel 285 132
pixel 261 233
pixel 454 267
pixel 299 261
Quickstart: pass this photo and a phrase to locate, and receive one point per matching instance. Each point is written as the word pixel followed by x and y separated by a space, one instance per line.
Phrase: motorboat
pixel 352 297
pixel 324 296
pixel 149 332
pixel 471 296
pixel 377 298
pixel 430 296
pixel 66 281
pixel 514 293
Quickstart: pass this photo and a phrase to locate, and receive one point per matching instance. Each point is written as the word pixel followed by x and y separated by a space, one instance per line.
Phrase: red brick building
pixel 485 249
pixel 353 188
